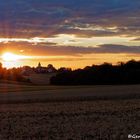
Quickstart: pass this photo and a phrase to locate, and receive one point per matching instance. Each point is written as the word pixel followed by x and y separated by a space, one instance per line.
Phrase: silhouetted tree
pixel 11 74
pixel 122 73
pixel 0 70
pixel 0 65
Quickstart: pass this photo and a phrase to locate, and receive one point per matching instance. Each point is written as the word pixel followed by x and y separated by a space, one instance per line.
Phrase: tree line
pixel 106 73
pixel 13 74
pixel 122 73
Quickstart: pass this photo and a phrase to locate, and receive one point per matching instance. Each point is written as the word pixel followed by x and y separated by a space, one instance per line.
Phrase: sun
pixel 10 60
pixel 10 57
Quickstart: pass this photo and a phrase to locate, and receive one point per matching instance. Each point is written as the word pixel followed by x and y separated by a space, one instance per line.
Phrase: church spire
pixel 39 64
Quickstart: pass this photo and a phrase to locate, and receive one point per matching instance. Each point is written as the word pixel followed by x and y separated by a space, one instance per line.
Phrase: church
pixel 39 75
pixel 49 69
pixel 26 70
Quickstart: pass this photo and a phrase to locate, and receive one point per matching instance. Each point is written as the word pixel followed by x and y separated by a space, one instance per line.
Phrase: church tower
pixel 39 65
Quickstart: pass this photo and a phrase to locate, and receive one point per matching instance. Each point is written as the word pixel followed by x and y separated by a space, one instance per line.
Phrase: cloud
pixel 47 18
pixel 136 39
pixel 112 48
pixel 44 49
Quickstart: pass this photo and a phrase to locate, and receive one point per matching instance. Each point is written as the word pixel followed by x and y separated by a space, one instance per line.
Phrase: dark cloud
pixel 112 48
pixel 31 18
pixel 43 49
pixel 136 39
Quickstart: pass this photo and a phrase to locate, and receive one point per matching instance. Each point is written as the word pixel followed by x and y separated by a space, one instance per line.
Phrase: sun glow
pixel 10 60
pixel 10 57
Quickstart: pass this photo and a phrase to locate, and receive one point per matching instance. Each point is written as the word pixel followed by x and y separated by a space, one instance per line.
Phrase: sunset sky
pixel 69 33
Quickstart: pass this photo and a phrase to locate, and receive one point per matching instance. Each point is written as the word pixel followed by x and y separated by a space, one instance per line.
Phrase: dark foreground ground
pixel 107 118
pixel 82 120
